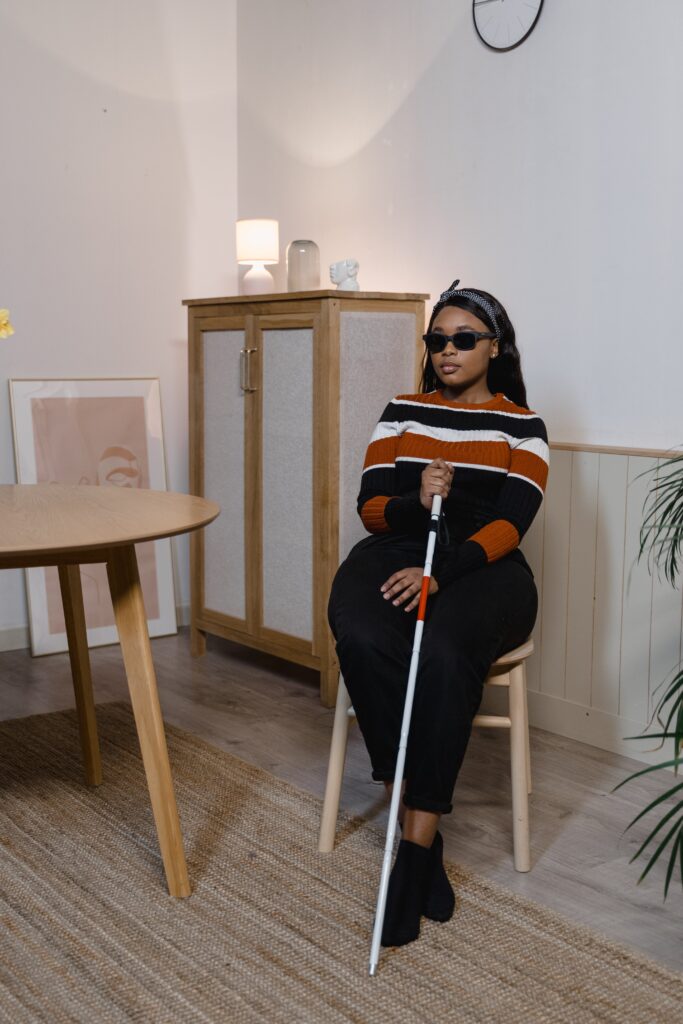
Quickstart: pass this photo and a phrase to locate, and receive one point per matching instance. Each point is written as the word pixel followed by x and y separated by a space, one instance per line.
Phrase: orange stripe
pixel 424 593
pixel 487 453
pixel 497 538
pixel 372 515
pixel 530 465
pixel 381 451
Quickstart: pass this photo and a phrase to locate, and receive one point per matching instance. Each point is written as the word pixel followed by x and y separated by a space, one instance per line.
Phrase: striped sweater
pixel 500 456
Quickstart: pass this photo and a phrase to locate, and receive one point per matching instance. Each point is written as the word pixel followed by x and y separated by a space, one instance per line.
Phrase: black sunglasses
pixel 463 340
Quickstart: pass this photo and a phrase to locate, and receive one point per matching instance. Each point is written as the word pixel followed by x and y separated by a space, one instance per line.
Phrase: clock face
pixel 504 24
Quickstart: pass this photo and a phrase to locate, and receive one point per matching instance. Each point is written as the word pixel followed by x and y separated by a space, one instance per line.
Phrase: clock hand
pixel 479 3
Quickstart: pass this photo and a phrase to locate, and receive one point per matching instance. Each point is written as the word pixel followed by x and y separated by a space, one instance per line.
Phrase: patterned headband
pixel 477 299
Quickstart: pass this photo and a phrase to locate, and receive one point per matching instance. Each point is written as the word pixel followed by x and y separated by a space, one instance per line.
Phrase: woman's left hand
pixel 406 584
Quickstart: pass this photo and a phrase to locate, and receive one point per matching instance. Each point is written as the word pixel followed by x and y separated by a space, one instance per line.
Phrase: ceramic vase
pixel 303 266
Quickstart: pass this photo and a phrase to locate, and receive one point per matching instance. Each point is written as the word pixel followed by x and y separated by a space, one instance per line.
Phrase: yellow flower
pixel 6 328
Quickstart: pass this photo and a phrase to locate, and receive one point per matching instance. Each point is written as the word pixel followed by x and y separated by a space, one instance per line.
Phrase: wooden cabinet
pixel 285 391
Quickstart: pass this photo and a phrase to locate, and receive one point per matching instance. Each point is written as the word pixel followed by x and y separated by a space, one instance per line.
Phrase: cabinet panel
pixel 286 357
pixel 224 476
pixel 377 362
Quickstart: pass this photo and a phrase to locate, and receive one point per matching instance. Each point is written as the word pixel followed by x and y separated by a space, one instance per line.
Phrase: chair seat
pixel 516 654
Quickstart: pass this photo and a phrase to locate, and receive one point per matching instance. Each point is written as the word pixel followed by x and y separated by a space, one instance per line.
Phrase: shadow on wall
pixel 117 180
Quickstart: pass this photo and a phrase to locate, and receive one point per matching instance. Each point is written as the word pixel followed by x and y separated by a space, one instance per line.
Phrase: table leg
pixel 131 621
pixel 74 616
pixel 197 642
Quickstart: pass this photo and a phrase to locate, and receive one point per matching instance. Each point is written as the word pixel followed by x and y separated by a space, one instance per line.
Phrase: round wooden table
pixel 68 525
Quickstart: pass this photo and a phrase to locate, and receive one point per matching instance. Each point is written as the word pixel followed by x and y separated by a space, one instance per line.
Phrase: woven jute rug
pixel 274 931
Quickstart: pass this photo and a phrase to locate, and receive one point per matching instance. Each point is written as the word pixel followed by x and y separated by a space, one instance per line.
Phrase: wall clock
pixel 504 24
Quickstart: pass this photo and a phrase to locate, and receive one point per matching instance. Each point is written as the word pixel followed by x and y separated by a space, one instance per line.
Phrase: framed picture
pixel 106 433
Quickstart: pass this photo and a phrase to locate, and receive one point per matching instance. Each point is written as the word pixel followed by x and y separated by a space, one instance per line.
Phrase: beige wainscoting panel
pixel 608 630
pixel 580 598
pixel 665 629
pixel 637 599
pixel 554 582
pixel 609 574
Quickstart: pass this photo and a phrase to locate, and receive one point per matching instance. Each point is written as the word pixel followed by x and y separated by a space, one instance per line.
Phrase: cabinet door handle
pixel 245 369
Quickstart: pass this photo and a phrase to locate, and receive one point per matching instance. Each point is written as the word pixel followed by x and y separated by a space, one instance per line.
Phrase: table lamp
pixel 258 244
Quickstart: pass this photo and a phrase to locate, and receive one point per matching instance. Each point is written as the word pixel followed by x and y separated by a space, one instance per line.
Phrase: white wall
pixel 117 200
pixel 551 176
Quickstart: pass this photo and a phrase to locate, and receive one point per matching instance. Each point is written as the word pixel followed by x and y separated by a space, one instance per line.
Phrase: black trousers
pixel 468 624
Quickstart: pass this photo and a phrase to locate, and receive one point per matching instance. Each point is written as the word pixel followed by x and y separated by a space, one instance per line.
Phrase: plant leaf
pixel 672 861
pixel 659 849
pixel 651 807
pixel 655 830
pixel 644 771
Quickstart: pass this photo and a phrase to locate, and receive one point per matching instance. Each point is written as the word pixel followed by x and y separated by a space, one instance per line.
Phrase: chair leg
pixel 518 757
pixel 335 770
pixel 526 732
pixel 74 617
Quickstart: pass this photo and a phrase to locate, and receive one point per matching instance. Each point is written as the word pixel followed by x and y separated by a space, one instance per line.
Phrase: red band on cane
pixel 424 594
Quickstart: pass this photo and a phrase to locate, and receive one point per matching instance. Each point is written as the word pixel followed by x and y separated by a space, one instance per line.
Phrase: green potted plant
pixel 662 531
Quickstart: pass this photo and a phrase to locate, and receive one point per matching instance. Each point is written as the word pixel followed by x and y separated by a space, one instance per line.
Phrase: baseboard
pixel 14 638
pixel 18 638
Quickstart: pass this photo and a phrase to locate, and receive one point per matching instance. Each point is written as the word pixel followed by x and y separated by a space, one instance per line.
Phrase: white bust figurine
pixel 343 274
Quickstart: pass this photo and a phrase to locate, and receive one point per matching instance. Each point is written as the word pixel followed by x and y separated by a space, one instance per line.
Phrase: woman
pixel 470 437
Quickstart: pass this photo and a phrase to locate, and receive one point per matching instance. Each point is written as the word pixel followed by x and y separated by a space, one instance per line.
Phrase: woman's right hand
pixel 436 479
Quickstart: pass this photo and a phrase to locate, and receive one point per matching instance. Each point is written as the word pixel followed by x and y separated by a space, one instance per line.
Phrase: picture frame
pixel 100 431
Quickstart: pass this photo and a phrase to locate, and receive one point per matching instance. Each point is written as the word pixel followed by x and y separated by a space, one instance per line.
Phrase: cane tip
pixel 373 970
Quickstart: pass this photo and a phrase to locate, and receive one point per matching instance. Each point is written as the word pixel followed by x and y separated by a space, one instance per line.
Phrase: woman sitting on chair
pixel 470 437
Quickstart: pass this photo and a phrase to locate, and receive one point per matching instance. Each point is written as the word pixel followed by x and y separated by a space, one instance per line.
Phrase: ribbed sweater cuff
pixel 406 514
pixel 470 555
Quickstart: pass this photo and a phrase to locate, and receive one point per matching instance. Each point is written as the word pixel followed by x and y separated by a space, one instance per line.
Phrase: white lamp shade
pixel 258 241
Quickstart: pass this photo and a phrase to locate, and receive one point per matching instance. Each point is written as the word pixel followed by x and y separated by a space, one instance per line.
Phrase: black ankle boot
pixel 408 884
pixel 440 901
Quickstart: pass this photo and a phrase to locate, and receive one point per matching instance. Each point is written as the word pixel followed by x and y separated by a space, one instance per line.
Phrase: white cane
pixel 403 743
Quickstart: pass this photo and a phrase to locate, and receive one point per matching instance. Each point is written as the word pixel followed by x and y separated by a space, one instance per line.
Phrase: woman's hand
pixel 436 479
pixel 405 584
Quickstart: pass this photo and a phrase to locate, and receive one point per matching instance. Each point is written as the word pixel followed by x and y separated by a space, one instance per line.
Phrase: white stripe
pixel 461 408
pixel 450 434
pixel 535 445
pixel 528 481
pixel 380 465
pixel 383 430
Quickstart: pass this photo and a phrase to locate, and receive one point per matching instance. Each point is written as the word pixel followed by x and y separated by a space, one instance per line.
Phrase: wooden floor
pixel 267 712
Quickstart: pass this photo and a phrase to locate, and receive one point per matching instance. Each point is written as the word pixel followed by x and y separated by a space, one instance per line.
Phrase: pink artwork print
pixel 99 441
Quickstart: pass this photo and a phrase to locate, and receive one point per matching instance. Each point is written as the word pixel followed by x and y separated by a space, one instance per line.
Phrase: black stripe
pixel 458 419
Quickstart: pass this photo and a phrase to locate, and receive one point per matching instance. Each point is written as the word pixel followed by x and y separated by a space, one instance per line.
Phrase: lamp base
pixel 257 281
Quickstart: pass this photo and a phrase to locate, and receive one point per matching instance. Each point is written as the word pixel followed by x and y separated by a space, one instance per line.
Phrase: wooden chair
pixel 508 670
